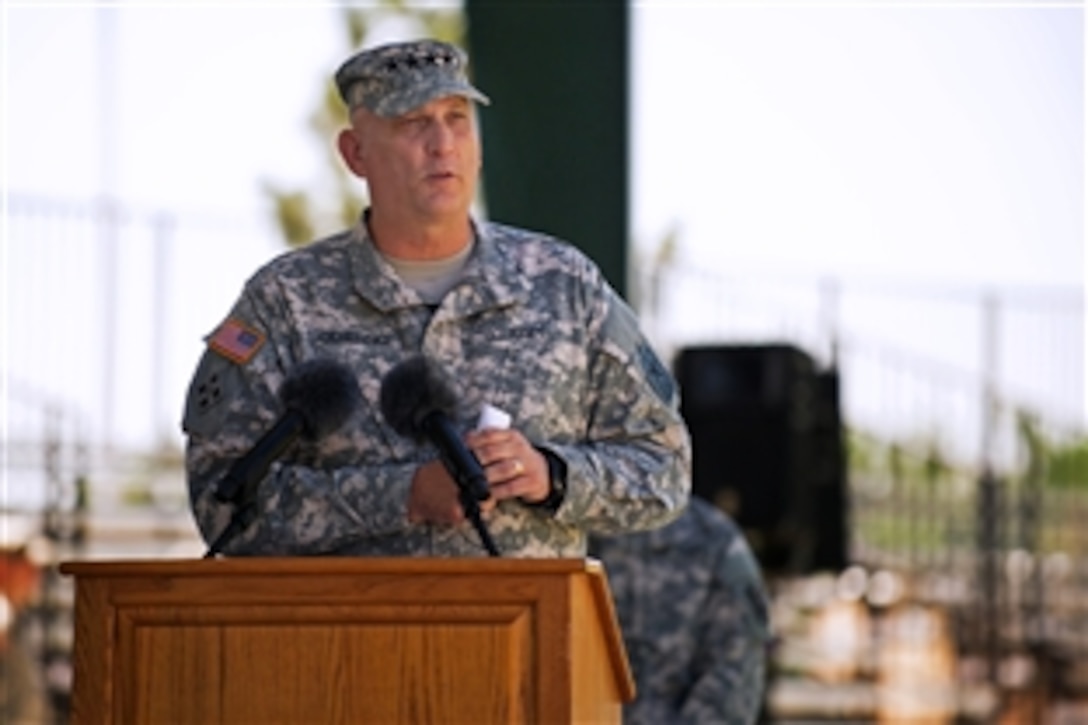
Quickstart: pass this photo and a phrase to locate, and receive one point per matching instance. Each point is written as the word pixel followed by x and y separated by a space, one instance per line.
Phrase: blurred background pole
pixel 991 502
pixel 163 235
pixel 556 135
pixel 109 211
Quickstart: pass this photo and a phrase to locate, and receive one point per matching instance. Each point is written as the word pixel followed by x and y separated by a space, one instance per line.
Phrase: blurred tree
pixel 304 215
pixel 863 451
pixel 935 465
pixel 1059 464
pixel 1036 449
pixel 1068 465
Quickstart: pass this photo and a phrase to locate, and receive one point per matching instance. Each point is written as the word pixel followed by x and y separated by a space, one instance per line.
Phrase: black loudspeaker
pixel 829 498
pixel 767 448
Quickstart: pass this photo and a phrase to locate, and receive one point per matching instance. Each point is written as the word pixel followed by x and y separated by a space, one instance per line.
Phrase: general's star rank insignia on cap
pixel 236 341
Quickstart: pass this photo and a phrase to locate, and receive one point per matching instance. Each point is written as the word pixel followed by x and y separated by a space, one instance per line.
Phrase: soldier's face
pixel 422 165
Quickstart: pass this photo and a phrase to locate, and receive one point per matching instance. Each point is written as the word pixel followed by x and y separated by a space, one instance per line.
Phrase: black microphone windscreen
pixel 413 390
pixel 323 392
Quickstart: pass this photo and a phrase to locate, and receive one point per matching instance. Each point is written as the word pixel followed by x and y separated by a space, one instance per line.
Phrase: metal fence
pixel 108 306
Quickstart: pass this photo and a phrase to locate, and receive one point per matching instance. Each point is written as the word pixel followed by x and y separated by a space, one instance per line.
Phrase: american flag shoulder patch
pixel 236 341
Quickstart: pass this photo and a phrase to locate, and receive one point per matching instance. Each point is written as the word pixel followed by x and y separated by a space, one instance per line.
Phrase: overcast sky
pixel 929 140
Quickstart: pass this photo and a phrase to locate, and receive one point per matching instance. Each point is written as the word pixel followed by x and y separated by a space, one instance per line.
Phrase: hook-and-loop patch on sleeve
pixel 621 329
pixel 236 341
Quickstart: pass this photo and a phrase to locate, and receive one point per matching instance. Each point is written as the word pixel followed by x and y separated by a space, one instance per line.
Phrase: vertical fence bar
pixel 162 237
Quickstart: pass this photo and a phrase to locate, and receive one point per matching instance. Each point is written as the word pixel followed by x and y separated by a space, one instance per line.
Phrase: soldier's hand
pixel 435 497
pixel 514 468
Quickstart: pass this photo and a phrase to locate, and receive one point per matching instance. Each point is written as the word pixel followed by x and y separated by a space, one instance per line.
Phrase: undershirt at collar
pixel 431 278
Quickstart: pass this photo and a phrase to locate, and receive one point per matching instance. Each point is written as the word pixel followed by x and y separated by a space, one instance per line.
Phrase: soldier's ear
pixel 351 151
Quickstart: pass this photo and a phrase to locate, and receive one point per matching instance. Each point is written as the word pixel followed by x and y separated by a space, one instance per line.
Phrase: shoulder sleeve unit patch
pixel 236 341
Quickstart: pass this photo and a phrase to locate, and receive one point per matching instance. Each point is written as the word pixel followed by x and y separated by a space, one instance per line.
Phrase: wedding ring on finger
pixel 519 468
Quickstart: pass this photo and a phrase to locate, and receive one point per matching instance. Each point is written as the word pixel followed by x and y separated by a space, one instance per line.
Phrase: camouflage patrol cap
pixel 392 79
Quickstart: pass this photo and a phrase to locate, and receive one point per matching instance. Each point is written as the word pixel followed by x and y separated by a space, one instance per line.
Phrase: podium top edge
pixel 300 565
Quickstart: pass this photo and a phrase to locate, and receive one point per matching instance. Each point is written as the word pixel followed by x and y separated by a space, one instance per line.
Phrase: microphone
pixel 318 396
pixel 418 401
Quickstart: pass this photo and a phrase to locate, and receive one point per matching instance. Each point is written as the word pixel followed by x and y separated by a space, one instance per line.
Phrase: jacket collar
pixel 494 276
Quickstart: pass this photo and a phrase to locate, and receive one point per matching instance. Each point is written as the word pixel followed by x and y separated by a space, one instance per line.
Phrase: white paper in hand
pixel 492 417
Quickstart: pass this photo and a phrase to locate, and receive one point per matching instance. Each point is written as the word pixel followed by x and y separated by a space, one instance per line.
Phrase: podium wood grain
pixel 345 640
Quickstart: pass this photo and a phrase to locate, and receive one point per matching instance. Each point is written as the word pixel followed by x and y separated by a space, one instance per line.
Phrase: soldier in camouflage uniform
pixel 693 610
pixel 521 321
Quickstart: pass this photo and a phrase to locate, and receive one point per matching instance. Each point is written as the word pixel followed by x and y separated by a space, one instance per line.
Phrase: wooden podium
pixel 346 640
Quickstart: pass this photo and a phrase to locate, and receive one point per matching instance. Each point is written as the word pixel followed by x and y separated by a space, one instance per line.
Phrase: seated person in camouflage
pixel 522 321
pixel 693 609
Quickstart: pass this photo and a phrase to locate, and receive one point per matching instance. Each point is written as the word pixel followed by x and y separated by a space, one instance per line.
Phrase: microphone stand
pixel 471 507
pixel 242 492
pixel 239 520
pixel 465 471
